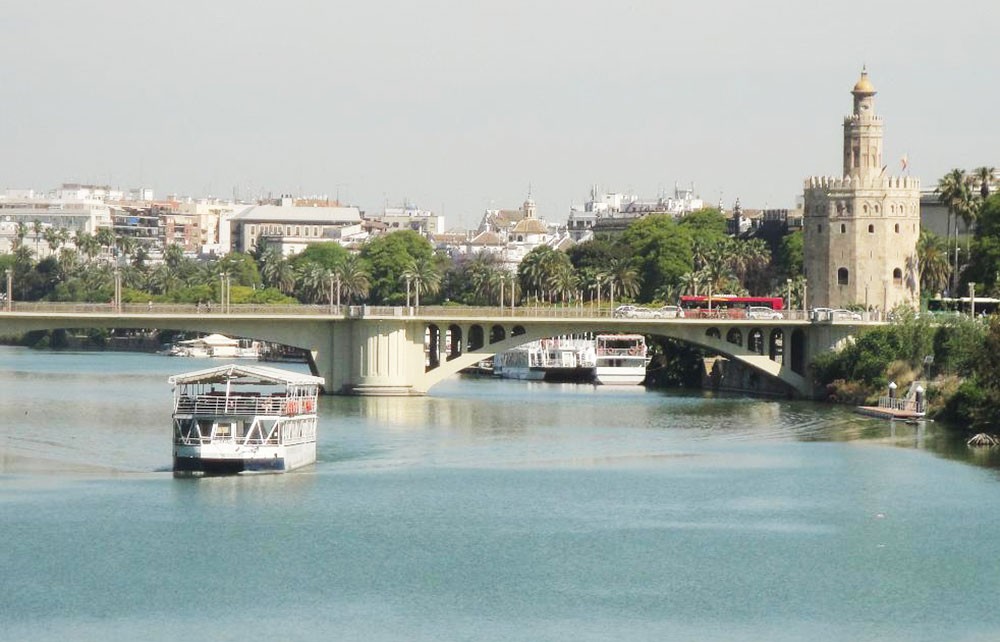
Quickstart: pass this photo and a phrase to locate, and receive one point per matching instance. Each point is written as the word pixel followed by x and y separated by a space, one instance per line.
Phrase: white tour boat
pixel 621 359
pixel 565 359
pixel 236 418
pixel 215 345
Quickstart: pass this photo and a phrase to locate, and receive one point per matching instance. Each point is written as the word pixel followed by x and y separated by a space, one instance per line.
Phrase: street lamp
pixel 972 300
pixel 330 276
pixel 805 292
pixel 788 282
pixel 10 292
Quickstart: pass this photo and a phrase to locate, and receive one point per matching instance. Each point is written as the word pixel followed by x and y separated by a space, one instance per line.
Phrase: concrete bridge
pixel 398 351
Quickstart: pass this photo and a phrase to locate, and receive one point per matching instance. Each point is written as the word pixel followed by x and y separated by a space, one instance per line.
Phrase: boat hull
pixel 215 460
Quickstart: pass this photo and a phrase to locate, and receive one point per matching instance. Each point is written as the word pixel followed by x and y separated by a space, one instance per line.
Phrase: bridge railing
pixel 361 311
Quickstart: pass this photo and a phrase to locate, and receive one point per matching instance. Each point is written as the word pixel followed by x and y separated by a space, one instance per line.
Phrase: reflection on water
pixel 489 510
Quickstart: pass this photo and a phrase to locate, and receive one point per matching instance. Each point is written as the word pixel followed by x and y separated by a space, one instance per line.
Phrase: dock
pixel 912 406
pixel 889 413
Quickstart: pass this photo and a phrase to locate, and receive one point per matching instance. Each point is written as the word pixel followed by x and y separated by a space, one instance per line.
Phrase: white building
pixel 74 216
pixel 411 217
pixel 608 206
pixel 292 228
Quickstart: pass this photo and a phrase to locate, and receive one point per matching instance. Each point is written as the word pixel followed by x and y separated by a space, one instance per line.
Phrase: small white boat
pixel 236 418
pixel 561 359
pixel 621 359
pixel 216 345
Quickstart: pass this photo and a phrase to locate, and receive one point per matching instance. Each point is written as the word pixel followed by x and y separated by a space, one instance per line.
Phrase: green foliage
pixel 662 252
pixel 594 254
pixel 789 258
pixel 387 258
pixel 958 345
pixel 707 224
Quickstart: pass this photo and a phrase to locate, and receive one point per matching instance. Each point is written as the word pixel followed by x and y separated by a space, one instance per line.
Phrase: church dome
pixel 864 86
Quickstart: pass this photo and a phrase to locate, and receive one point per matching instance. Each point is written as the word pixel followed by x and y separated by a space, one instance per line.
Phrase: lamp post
pixel 408 279
pixel 805 292
pixel 338 291
pixel 330 276
pixel 972 300
pixel 892 389
pixel 788 283
pixel 10 291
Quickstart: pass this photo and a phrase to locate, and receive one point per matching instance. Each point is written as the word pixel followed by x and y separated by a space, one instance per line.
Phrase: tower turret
pixel 863 133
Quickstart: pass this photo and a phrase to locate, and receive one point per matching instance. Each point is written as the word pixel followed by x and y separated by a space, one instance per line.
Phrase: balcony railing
pixel 248 405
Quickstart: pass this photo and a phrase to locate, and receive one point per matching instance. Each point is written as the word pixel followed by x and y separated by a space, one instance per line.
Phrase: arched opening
pixel 897 277
pixel 871 229
pixel 842 276
pixel 433 347
pixel 735 336
pixel 497 334
pixel 713 333
pixel 819 228
pixel 476 337
pixel 517 331
pixel 897 228
pixel 755 341
pixel 776 346
pixel 798 348
pixel 454 341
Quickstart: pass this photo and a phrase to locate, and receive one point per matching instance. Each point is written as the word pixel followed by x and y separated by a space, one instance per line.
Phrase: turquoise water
pixel 490 510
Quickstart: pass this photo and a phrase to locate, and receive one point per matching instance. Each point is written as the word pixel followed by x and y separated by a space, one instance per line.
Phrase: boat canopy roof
pixel 211 340
pixel 247 375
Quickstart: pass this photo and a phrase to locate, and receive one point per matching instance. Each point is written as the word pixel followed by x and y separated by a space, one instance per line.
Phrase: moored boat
pixel 560 359
pixel 236 418
pixel 621 359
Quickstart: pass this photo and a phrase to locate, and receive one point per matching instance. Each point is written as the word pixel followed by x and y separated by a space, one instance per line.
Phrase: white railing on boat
pixel 244 405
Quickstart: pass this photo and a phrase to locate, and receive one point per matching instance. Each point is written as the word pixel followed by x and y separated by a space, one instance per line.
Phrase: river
pixel 488 510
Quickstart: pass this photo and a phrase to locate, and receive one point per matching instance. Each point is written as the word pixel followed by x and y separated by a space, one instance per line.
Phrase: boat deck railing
pixel 215 404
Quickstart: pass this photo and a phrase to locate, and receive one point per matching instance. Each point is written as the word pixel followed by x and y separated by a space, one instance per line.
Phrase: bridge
pixel 395 351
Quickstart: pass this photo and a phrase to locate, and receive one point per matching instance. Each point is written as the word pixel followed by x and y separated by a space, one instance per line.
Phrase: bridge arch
pixel 735 336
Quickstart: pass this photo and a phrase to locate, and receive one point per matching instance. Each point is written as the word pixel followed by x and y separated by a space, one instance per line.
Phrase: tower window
pixel 819 228
pixel 876 209
pixel 897 228
pixel 864 209
pixel 843 228
pixel 842 276
pixel 871 229
pixel 897 277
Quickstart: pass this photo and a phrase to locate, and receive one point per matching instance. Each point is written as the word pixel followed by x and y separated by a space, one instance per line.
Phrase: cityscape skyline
pixel 462 108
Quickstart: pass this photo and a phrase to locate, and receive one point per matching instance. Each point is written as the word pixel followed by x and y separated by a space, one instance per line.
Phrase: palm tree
pixel 691 281
pixel 626 276
pixel 425 276
pixel 932 262
pixel 87 245
pixel 953 192
pixel 563 280
pixel 985 177
pixel 36 227
pixel 354 278
pixel 313 282
pixel 51 236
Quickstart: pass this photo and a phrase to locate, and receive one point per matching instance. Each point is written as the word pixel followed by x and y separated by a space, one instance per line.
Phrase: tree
pixel 353 279
pixel 424 276
pixel 538 269
pixel 661 252
pixel 985 177
pixel 954 193
pixel 387 257
pixel 932 261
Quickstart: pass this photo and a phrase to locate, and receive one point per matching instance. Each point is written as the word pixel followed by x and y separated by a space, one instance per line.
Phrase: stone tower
pixel 861 230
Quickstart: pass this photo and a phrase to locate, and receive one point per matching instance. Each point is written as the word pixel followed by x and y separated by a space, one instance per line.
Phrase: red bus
pixel 729 306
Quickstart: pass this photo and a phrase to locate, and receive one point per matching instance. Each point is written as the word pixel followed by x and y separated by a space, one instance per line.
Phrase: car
pixel 624 311
pixel 669 312
pixel 846 315
pixel 763 312
pixel 820 314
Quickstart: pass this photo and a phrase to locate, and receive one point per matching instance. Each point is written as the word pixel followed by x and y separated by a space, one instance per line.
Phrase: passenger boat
pixel 621 359
pixel 564 359
pixel 236 418
pixel 215 345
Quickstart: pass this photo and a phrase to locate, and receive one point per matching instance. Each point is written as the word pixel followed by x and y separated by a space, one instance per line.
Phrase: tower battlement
pixel 855 118
pixel 847 182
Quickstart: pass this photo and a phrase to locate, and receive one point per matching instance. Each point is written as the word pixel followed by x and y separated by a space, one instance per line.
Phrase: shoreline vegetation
pixel 955 357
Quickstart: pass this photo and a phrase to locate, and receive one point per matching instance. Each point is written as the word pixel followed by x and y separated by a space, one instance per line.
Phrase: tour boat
pixel 236 418
pixel 215 345
pixel 621 359
pixel 564 359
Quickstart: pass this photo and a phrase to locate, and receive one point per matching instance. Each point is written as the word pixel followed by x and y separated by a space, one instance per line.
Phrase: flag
pixel 904 162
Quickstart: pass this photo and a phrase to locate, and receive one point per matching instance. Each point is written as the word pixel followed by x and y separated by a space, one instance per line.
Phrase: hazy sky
pixel 460 105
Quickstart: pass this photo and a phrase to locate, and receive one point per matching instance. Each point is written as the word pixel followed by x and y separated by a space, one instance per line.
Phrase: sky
pixel 459 106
